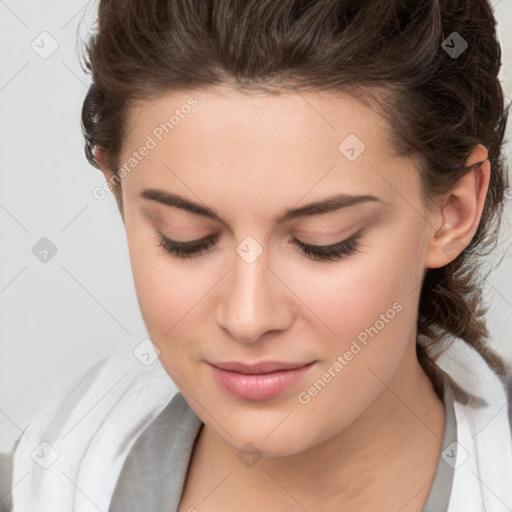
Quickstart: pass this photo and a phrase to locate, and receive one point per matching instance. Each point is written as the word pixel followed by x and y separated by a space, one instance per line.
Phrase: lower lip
pixel 259 386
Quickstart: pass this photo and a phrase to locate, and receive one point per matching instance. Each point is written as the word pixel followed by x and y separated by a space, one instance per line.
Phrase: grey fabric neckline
pixel 153 474
pixel 439 495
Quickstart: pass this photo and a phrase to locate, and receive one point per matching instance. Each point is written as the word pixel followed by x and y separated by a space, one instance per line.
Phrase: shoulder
pixel 165 447
pixel 477 386
pixel 80 438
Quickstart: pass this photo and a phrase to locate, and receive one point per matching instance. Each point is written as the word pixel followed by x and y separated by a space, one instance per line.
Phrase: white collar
pixel 483 467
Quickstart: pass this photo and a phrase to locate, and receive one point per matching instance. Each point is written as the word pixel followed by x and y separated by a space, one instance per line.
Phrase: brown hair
pixel 387 53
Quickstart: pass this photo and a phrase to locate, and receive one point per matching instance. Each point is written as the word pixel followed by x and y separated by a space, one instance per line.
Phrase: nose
pixel 254 301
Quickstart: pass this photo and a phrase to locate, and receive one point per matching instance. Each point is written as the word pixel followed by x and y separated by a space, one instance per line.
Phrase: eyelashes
pixel 186 249
pixel 332 252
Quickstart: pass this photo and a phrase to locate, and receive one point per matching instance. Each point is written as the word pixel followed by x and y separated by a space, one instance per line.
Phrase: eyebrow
pixel 326 205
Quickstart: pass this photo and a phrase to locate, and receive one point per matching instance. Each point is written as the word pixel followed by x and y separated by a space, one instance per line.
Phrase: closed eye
pixel 316 252
pixel 331 252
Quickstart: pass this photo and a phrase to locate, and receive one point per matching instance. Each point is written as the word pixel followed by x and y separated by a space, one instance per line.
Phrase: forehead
pixel 294 141
pixel 258 117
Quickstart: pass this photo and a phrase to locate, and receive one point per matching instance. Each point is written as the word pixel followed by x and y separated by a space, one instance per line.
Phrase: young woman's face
pixel 253 294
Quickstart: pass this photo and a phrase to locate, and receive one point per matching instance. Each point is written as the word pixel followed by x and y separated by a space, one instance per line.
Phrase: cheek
pixel 176 299
pixel 351 294
pixel 165 292
pixel 370 309
pixel 369 305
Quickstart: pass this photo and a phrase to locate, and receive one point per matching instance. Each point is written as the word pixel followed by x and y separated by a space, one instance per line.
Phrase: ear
pixel 457 218
pixel 111 178
pixel 100 156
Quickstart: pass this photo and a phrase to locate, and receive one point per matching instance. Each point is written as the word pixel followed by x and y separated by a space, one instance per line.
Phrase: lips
pixel 259 381
pixel 259 368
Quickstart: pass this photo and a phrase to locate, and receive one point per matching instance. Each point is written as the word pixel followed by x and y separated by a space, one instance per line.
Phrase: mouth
pixel 259 381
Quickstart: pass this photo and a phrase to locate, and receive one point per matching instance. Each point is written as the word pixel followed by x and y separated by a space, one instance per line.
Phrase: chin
pixel 251 440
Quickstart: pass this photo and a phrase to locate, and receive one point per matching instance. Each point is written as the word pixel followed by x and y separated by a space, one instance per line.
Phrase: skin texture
pixel 357 442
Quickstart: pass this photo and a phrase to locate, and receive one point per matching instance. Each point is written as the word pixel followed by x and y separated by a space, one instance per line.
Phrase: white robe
pixel 72 452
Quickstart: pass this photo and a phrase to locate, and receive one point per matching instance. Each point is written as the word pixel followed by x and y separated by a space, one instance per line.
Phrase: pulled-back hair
pixel 386 53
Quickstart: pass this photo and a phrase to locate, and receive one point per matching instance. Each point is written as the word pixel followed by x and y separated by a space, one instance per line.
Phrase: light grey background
pixel 58 318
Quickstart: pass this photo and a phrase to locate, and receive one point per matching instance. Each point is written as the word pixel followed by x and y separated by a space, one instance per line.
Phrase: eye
pixel 331 252
pixel 187 249
pixel 317 252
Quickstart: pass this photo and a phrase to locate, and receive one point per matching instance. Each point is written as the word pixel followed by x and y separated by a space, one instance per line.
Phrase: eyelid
pixel 195 241
pixel 213 238
pixel 190 243
pixel 338 237
pixel 326 253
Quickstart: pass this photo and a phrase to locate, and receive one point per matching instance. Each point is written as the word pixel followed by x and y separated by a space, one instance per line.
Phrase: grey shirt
pixel 154 472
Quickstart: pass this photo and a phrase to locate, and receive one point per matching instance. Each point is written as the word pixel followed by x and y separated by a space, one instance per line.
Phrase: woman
pixel 305 188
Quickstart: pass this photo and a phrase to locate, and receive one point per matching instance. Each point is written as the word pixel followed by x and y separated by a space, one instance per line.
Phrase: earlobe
pixel 460 212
